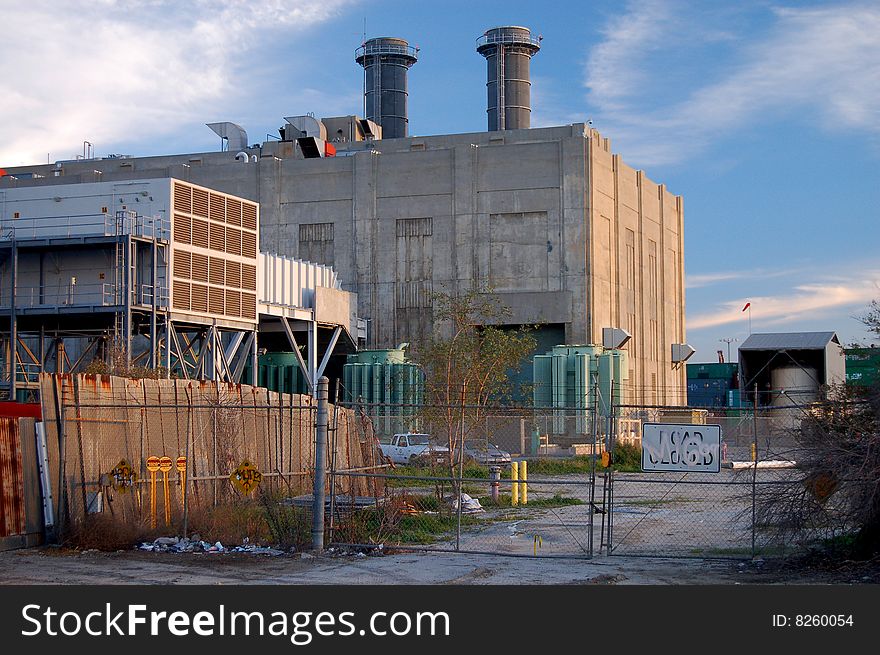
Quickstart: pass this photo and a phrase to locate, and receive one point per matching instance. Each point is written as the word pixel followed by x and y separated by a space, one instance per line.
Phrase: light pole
pixel 728 341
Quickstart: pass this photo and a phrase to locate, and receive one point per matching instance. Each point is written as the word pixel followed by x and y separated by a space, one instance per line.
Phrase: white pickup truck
pixel 410 448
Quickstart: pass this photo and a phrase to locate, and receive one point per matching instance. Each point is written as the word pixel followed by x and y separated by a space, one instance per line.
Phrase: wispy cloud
pixel 701 280
pixel 810 300
pixel 824 61
pixel 110 70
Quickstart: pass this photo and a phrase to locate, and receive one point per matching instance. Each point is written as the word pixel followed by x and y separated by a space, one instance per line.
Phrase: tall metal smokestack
pixel 508 52
pixel 386 61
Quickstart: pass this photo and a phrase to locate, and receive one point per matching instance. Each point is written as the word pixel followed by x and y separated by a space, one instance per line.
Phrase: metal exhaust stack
pixel 508 52
pixel 386 62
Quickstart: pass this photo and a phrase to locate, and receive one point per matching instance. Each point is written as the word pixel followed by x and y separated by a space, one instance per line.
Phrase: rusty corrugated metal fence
pixel 11 484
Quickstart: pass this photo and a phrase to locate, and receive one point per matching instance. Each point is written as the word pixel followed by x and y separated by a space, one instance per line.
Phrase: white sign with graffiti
pixel 677 447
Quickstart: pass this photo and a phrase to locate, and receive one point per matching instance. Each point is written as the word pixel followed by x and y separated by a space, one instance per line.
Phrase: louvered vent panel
pixel 182 262
pixel 233 211
pixel 248 305
pixel 200 203
pixel 218 237
pixel 199 298
pixel 233 274
pixel 181 295
pixel 217 273
pixel 217 209
pixel 199 267
pixel 248 277
pixel 200 233
pixel 216 300
pixel 182 198
pixel 249 244
pixel 233 303
pixel 249 216
pixel 233 241
pixel 182 229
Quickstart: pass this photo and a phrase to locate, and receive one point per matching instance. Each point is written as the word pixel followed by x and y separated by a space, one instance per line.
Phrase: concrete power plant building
pixel 549 219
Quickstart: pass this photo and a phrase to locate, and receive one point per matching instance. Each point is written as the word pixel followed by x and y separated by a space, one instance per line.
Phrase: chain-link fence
pixel 471 479
pixel 146 458
pixel 177 457
pixel 687 513
pixel 425 510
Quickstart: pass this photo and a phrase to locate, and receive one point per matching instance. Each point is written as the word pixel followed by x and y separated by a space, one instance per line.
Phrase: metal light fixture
pixel 681 352
pixel 613 338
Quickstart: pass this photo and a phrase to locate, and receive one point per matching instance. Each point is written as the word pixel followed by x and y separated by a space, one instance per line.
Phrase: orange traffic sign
pixel 123 476
pixel 153 463
pixel 165 464
pixel 246 477
pixel 181 464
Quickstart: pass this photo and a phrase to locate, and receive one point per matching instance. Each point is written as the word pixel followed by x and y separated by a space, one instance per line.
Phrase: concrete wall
pixel 560 227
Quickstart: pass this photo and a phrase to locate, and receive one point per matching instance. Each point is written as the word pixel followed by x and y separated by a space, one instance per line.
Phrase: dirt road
pixel 59 566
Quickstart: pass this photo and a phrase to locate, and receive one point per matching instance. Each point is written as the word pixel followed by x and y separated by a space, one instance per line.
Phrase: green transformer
pixel 389 388
pixel 575 380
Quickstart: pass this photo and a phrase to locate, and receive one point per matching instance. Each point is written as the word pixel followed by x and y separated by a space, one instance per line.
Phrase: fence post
pixel 754 467
pixel 321 421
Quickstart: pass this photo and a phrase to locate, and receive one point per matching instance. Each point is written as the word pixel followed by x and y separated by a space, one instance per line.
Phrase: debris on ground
pixel 359 552
pixel 468 505
pixel 178 545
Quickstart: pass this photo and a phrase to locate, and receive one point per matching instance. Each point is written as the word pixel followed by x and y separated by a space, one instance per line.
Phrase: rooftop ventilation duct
pixel 308 126
pixel 234 136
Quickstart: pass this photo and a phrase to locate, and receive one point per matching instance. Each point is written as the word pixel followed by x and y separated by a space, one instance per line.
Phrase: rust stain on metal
pixel 105 382
pixel 11 483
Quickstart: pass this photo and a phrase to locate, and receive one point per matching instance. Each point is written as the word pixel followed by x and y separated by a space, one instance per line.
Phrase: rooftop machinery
pixel 154 273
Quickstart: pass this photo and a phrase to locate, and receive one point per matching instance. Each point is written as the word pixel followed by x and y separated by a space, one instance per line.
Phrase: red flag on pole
pixel 748 304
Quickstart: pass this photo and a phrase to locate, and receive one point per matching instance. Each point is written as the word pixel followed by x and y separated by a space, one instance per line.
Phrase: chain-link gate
pixel 697 514
pixel 475 497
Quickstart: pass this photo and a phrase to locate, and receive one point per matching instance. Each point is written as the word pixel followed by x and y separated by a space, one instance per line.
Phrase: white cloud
pixel 113 70
pixel 823 62
pixel 700 280
pixel 806 301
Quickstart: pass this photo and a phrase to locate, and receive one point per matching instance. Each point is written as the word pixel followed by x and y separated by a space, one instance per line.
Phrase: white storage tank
pixel 800 384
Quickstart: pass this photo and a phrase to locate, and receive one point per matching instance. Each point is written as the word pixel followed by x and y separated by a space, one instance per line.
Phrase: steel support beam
pixel 329 351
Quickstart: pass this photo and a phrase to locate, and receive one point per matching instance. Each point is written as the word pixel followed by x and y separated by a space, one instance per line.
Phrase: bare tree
pixel 468 365
pixel 836 490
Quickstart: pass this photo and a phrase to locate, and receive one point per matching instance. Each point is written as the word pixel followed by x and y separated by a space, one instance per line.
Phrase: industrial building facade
pixel 563 231
pixel 157 273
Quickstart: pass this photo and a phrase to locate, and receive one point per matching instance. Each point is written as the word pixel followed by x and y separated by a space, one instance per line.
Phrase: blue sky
pixel 765 116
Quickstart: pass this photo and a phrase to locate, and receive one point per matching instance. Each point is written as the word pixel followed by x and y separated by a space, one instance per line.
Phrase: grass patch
pixel 476 472
pixel 627 459
pixel 547 502
pixel 392 524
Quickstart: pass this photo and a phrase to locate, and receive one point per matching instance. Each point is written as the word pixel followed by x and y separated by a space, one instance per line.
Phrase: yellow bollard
pixel 524 476
pixel 514 488
pixel 152 467
pixel 754 452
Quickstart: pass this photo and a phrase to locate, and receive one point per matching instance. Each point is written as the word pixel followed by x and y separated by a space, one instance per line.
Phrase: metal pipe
pixel 755 467
pixel 321 421
pixel 13 321
pixel 495 482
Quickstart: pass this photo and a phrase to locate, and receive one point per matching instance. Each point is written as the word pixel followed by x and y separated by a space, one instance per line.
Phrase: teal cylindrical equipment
pixel 577 379
pixel 391 385
pixel 279 371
